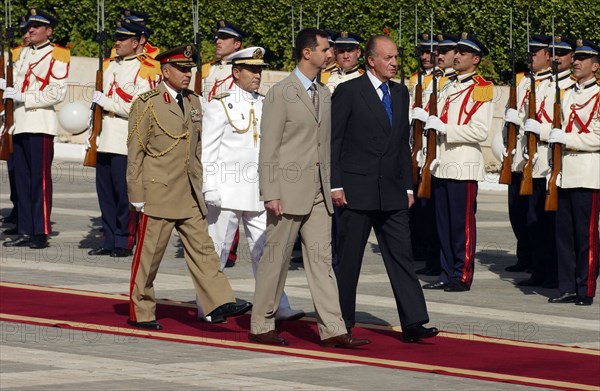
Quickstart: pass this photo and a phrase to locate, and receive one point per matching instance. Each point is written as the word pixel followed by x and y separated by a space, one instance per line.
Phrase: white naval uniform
pixel 122 84
pixel 43 80
pixel 230 148
pixel 467 124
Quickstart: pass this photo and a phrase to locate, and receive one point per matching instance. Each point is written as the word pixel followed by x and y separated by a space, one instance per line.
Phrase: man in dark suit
pixel 372 184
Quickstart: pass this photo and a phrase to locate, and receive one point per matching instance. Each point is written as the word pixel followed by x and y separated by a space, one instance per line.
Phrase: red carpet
pixel 462 355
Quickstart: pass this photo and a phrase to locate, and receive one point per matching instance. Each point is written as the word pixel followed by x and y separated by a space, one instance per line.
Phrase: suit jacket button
pixel 152 180
pixel 319 144
pixel 317 164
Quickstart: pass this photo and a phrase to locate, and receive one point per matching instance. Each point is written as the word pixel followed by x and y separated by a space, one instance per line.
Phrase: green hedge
pixel 269 23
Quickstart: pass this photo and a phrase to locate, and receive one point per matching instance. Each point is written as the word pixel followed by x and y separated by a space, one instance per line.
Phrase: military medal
pixel 196 115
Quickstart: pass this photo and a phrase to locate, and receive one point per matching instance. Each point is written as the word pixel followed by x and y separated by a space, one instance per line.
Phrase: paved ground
pixel 41 358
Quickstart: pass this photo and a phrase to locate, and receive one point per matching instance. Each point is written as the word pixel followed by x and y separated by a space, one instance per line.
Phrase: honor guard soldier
pixel 426 41
pixel 128 75
pixel 463 123
pixel 230 147
pixel 346 49
pixel 217 74
pixel 579 186
pixel 445 57
pixel 40 75
pixel 164 183
pixel 331 65
pixel 12 216
pixel 140 18
pixel 563 55
pixel 531 225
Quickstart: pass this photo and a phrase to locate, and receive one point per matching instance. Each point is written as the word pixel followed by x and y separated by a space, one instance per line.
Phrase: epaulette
pixel 113 53
pixel 413 79
pixel 149 67
pixel 107 62
pixel 206 69
pixel 151 51
pixel 15 52
pixel 149 94
pixel 441 81
pixel 361 71
pixel 221 95
pixel 60 53
pixel 518 77
pixel 483 90
pixel 331 68
pixel 324 77
pixel 572 77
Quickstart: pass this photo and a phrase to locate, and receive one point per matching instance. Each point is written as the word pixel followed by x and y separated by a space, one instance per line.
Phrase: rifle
pixel 417 126
pixel 401 48
pixel 198 43
pixel 293 38
pixel 532 138
pixel 6 146
pixel 424 190
pixel 90 154
pixel 511 129
pixel 551 203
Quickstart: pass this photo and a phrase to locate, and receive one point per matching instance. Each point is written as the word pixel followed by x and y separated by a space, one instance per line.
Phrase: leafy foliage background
pixel 269 23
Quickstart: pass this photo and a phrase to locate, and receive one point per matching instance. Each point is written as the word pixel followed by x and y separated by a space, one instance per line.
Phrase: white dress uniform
pixel 41 74
pixel 338 76
pixel 465 106
pixel 124 80
pixel 217 79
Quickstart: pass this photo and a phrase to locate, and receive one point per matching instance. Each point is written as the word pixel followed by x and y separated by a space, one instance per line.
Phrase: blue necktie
pixel 387 100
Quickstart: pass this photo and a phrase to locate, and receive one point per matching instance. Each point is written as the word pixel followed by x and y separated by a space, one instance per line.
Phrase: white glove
pixel 434 164
pixel 87 143
pixel 99 98
pixel 557 136
pixel 533 126
pixel 558 180
pixel 435 123
pixel 139 206
pixel 420 157
pixel 419 114
pixel 212 197
pixel 535 157
pixel 512 116
pixel 2 84
pixel 505 152
pixel 14 94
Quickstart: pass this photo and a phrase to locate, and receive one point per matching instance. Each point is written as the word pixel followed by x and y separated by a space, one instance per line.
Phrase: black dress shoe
pixel 99 251
pixel 564 298
pixel 151 325
pixel 38 242
pixel 120 252
pixel 436 285
pixel 584 300
pixel 456 286
pixel 11 231
pixel 532 281
pixel 229 263
pixel 415 333
pixel 516 268
pixel 21 241
pixel 221 313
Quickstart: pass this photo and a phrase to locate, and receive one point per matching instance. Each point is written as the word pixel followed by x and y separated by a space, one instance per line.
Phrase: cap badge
pixel 425 36
pixel 221 23
pixel 344 34
pixel 440 37
pixel 33 12
pixel 188 52
pixel 257 54
pixel 557 39
pixel 464 35
pixel 579 42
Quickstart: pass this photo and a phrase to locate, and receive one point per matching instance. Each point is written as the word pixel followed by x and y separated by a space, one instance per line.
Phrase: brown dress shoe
pixel 344 341
pixel 268 338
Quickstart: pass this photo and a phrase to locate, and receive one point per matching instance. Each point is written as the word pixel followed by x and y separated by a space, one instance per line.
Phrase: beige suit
pixel 294 168
pixel 165 172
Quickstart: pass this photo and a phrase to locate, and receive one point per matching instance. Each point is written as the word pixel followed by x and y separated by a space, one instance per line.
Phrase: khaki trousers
pixel 315 229
pixel 212 286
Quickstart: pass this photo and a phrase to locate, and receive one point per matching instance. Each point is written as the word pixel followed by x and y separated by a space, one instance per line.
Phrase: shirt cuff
pixel 411 192
pixel 336 189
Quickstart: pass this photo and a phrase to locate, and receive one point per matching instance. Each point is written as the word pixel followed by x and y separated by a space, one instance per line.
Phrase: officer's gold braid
pixel 251 120
pixel 177 138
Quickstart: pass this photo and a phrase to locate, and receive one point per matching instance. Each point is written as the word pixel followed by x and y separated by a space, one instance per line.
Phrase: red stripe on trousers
pixel 131 228
pixel 45 187
pixel 135 264
pixel 593 245
pixel 467 272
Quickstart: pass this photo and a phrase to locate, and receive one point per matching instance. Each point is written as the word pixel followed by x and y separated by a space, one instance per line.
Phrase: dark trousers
pixel 393 237
pixel 455 207
pixel 517 213
pixel 10 164
pixel 423 233
pixel 540 233
pixel 118 220
pixel 33 154
pixel 577 240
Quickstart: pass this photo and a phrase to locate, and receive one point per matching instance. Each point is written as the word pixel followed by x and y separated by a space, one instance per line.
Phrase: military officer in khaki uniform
pixel 579 185
pixel 164 182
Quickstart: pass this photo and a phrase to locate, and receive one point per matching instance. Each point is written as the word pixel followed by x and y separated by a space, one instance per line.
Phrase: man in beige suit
pixel 294 184
pixel 164 177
